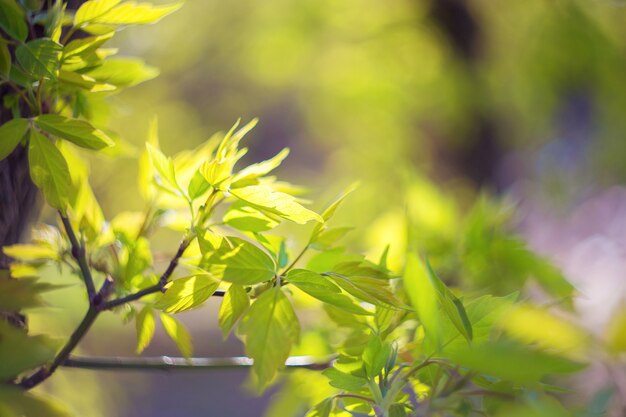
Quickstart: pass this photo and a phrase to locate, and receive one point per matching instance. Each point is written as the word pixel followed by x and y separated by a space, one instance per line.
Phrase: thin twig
pixel 78 252
pixel 167 363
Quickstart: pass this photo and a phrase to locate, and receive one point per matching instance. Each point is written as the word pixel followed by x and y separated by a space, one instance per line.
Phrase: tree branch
pixel 167 363
pixel 78 252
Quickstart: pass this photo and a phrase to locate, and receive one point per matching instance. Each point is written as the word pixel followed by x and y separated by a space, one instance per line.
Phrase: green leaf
pixel 49 170
pixel 248 219
pixel 269 328
pixel 30 252
pixel 40 57
pixel 283 205
pixel 93 9
pixel 164 168
pixel 397 410
pixel 343 380
pixel 452 306
pixel 84 46
pixel 177 332
pixel 247 175
pixel 17 294
pixel 5 58
pixel 187 293
pixel 123 72
pixel 372 290
pixel 512 362
pixel 11 133
pixel 423 297
pixel 328 237
pixel 234 304
pixel 375 356
pixel 26 352
pixel 321 409
pixel 145 325
pixel 323 289
pixel 79 132
pixel 240 262
pixel 127 13
pixel 74 79
pixel 12 20
pixel 197 186
pixel 16 402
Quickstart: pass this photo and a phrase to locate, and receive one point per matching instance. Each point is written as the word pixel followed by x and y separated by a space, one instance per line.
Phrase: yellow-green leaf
pixel 145 326
pixel 17 402
pixel 269 328
pixel 40 57
pixel 284 205
pixel 164 167
pixel 250 173
pixel 49 170
pixel 127 13
pixel 186 293
pixel 29 252
pixel 423 297
pixel 178 333
pixel 11 133
pixel 240 262
pixel 234 304
pixel 79 132
pixel 93 9
pixel 25 352
pixel 123 72
pixel 5 59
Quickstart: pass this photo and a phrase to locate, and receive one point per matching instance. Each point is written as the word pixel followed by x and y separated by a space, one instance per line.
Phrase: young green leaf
pixel 145 325
pixel 343 380
pixel 452 306
pixel 186 293
pixel 15 401
pixel 79 132
pixel 40 57
pixel 265 199
pixel 84 46
pixel 178 333
pixel 249 174
pixel 321 409
pixel 26 352
pixel 269 327
pixel 164 168
pixel 12 20
pixel 30 252
pixel 123 72
pixel 234 304
pixel 11 133
pixel 49 170
pixel 128 13
pixel 423 297
pixel 375 356
pixel 324 290
pixel 197 186
pixel 240 262
pixel 248 219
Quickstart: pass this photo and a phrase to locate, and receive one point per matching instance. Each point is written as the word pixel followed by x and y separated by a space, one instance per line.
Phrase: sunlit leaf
pixel 283 205
pixel 17 402
pixel 234 304
pixel 123 72
pixel 145 325
pixel 375 356
pixel 423 296
pixel 127 13
pixel 248 174
pixel 40 57
pixel 79 132
pixel 164 168
pixel 186 293
pixel 321 409
pixel 178 333
pixel 30 252
pixel 324 290
pixel 248 219
pixel 49 170
pixel 93 9
pixel 269 329
pixel 240 262
pixel 11 133
pixel 343 380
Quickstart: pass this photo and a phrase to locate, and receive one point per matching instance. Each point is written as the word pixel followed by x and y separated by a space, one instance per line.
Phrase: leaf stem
pixel 295 261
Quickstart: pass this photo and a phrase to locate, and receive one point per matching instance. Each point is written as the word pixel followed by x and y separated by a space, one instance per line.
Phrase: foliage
pixel 405 341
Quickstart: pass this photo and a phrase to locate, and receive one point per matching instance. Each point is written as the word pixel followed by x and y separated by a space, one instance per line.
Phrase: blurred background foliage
pixel 455 116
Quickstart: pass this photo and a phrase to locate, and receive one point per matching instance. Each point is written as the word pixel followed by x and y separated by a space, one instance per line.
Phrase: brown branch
pixel 78 252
